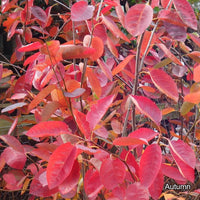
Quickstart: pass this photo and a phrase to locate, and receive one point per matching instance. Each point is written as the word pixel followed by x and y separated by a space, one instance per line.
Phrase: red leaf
pixel 1 70
pixel 39 14
pixel 122 64
pixel 106 70
pixel 172 172
pixel 195 39
pixel 184 157
pixel 164 83
pixel 81 11
pixel 169 54
pixel 82 123
pixel 112 173
pixel 40 96
pixel 49 128
pixel 39 186
pixel 154 3
pixel 113 28
pixel 138 18
pixel 157 186
pixel 60 164
pixel 13 126
pixel 14 179
pixel 72 180
pixel 120 13
pixel 171 16
pixel 143 133
pixel 13 158
pixel 12 142
pixel 125 141
pixel 30 47
pixel 186 13
pixel 98 110
pixel 137 191
pixel 92 183
pixel 151 159
pixel 147 107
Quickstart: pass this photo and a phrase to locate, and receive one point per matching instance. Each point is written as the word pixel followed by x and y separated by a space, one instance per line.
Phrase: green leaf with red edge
pixel 194 38
pixel 71 181
pixel 76 51
pixel 156 187
pixel 39 186
pixel 126 141
pixel 112 27
pixel 171 17
pixel 112 173
pixel 169 54
pixel 98 110
pixel 147 107
pixel 92 183
pixel 60 164
pixel 81 11
pixel 49 128
pixel 106 70
pixel 137 191
pixel 82 123
pixel 15 159
pixel 122 64
pixel 30 47
pixel 138 18
pixel 164 83
pixel 172 172
pixel 40 96
pixel 94 82
pixel 186 13
pixel 184 157
pixel 151 159
pixel 12 142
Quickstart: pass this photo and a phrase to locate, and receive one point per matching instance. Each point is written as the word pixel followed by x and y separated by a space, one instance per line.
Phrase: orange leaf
pixel 76 51
pixel 40 96
pixel 122 64
pixel 72 85
pixel 196 74
pixel 193 97
pixel 96 43
pixel 94 81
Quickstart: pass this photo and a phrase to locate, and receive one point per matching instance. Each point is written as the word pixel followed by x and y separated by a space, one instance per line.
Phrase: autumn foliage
pixel 114 96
